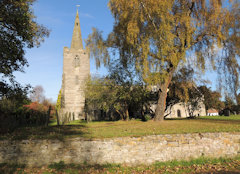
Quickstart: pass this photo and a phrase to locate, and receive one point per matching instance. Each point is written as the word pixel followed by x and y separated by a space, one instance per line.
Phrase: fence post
pixel 48 115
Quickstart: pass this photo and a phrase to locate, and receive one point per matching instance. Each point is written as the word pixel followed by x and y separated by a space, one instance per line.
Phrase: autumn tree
pixel 159 35
pixel 18 30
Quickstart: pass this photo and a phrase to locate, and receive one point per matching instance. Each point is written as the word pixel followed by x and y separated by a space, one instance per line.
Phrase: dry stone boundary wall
pixel 125 150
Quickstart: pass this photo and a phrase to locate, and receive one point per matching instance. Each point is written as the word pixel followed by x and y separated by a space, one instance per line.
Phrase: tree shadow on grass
pixel 50 132
pixel 85 168
pixel 176 119
pixel 60 167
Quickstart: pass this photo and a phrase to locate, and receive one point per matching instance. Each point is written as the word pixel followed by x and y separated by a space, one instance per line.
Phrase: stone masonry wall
pixel 126 150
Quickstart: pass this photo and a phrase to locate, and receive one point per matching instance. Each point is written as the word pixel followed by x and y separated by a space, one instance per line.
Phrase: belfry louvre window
pixel 76 80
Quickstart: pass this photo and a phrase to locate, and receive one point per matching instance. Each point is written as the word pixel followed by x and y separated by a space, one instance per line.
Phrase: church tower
pixel 76 68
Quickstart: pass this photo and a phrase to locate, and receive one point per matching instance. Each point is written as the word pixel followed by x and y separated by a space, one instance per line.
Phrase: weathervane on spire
pixel 78 6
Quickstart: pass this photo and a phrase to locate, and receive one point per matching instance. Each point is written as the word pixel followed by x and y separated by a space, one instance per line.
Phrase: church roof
pixel 77 35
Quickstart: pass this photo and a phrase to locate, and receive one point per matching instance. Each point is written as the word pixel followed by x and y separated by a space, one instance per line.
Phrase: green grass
pixel 136 128
pixel 200 165
pixel 231 118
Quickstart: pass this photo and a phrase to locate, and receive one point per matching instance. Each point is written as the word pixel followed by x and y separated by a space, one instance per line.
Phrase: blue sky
pixel 45 62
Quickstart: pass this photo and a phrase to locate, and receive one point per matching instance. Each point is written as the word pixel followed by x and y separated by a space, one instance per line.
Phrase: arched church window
pixel 76 61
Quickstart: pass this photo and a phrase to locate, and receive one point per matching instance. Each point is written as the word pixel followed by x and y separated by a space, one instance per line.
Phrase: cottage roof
pixel 212 110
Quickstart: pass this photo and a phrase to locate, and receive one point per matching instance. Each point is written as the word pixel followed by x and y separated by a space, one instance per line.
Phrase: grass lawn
pixel 201 165
pixel 232 117
pixel 107 129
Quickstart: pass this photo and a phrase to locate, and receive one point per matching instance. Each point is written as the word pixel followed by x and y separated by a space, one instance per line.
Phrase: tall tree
pixel 18 30
pixel 212 99
pixel 159 35
pixel 238 99
pixel 37 94
pixel 121 91
pixel 229 103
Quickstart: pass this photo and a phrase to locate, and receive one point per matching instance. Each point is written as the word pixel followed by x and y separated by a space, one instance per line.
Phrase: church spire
pixel 77 35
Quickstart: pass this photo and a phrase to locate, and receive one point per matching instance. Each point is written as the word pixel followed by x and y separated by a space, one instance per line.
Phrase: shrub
pixel 12 115
pixel 8 111
pixel 36 114
pixel 146 117
pixel 58 166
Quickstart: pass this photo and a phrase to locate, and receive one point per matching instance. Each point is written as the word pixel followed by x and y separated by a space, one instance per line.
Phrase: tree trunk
pixel 161 104
pixel 162 96
pixel 121 115
pixel 127 115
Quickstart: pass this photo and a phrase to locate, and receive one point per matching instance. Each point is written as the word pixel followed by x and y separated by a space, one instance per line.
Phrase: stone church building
pixel 76 68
